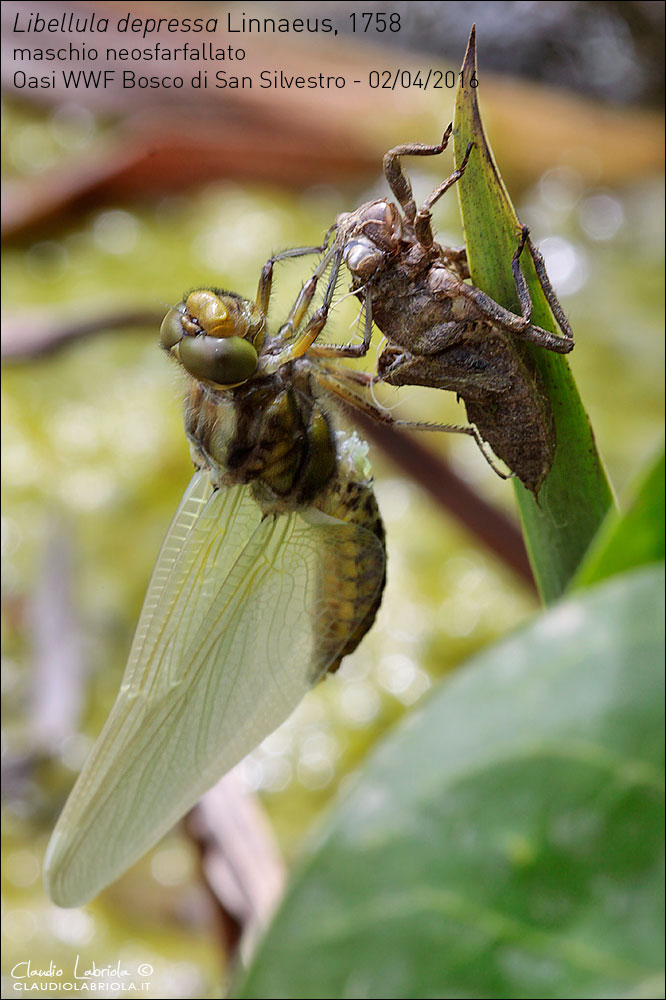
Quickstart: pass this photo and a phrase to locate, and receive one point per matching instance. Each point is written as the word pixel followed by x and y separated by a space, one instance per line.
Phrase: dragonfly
pixel 271 572
pixel 445 333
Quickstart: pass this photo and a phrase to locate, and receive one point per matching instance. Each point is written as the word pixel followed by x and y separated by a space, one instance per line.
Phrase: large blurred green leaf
pixel 633 538
pixel 575 496
pixel 507 840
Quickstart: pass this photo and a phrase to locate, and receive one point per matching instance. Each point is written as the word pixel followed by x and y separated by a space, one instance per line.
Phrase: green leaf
pixel 575 496
pixel 634 538
pixel 506 841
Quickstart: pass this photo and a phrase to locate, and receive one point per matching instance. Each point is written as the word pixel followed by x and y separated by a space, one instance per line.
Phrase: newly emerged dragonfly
pixel 271 572
pixel 442 331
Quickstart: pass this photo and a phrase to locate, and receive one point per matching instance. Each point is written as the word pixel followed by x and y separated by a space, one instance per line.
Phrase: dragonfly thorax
pixel 268 432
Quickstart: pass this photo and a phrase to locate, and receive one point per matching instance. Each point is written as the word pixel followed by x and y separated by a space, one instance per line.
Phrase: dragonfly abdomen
pixel 351 579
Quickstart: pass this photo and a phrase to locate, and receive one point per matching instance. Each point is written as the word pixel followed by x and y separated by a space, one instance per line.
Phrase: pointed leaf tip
pixel 469 62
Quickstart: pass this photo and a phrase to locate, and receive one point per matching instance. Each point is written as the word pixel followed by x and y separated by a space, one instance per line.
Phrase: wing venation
pixel 236 626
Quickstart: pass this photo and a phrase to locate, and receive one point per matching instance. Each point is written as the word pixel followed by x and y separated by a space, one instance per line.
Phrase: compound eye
pixel 171 330
pixel 362 257
pixel 211 313
pixel 225 361
pixel 380 211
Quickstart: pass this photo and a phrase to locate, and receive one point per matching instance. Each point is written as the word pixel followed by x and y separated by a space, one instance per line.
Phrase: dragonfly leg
pixel 297 345
pixel 266 276
pixel 518 326
pixel 398 179
pixel 343 384
pixel 548 290
pixel 349 350
pixel 519 278
pixel 422 221
pixel 525 298
pixel 304 298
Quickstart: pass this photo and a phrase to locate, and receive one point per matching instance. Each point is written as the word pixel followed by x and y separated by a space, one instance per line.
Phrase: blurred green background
pixel 95 459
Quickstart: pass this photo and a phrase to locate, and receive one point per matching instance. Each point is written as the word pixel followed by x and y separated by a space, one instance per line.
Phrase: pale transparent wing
pixel 168 568
pixel 258 622
pixel 207 535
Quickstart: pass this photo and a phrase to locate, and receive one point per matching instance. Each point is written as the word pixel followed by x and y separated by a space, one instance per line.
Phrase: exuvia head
pixel 369 234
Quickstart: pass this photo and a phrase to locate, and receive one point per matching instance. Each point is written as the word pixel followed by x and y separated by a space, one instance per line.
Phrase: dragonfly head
pixel 215 335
